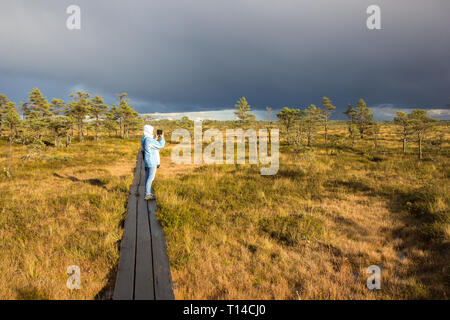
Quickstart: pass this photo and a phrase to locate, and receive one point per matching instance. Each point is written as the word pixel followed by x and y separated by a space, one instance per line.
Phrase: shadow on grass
pixel 31 294
pixel 107 292
pixel 93 182
pixel 421 230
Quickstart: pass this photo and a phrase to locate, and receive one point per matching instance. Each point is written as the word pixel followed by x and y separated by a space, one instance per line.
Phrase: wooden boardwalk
pixel 144 272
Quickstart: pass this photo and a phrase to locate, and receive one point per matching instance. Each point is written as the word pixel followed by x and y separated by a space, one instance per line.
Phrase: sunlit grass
pixel 310 231
pixel 63 207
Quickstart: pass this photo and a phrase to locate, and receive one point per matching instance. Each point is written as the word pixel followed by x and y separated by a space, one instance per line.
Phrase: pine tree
pixel 186 123
pixel 363 117
pixel 58 121
pixel 374 130
pixel 122 97
pixel 98 110
pixel 243 111
pixel 351 115
pixel 37 113
pixel 37 106
pixel 288 117
pixel 112 115
pixel 326 113
pixel 402 120
pixel 3 100
pixel 58 107
pixel 421 123
pixel 312 117
pixel 11 119
pixel 79 109
pixel 127 115
pixel 269 119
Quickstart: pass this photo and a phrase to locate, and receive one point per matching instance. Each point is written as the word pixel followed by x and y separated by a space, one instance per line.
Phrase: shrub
pixel 293 229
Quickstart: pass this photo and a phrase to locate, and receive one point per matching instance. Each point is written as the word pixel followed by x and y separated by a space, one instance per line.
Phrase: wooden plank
pixel 161 269
pixel 142 170
pixel 137 171
pixel 124 286
pixel 143 289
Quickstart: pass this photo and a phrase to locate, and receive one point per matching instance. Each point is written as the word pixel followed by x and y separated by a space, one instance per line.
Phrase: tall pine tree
pixel 421 123
pixel 3 100
pixel 98 110
pixel 363 117
pixel 243 111
pixel 79 109
pixel 402 120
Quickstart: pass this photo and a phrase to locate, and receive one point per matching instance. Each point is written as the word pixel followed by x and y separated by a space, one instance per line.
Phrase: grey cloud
pixel 173 56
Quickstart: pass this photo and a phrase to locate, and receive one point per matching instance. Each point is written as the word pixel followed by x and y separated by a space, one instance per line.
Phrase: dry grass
pixel 311 231
pixel 308 232
pixel 62 208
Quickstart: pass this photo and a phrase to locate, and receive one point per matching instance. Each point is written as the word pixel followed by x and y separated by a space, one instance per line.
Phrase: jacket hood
pixel 148 131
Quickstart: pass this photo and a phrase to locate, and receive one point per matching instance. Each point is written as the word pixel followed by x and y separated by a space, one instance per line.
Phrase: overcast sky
pixel 202 55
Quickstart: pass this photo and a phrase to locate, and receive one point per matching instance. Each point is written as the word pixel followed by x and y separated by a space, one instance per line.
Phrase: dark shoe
pixel 149 197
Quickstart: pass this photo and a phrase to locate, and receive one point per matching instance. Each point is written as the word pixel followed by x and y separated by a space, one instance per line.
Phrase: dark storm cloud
pixel 173 56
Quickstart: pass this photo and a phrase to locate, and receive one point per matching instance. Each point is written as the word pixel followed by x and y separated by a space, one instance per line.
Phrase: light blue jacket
pixel 151 147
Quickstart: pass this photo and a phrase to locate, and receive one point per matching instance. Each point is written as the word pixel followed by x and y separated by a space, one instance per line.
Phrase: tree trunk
pixel 420 146
pixel 326 134
pixel 67 139
pixel 80 130
pixel 404 145
pixel 96 129
pixel 10 136
pixel 309 137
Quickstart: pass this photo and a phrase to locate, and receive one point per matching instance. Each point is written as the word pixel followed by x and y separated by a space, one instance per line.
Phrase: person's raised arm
pixel 155 144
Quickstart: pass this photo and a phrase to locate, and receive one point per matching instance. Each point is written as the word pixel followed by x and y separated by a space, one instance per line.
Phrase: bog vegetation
pixel 348 194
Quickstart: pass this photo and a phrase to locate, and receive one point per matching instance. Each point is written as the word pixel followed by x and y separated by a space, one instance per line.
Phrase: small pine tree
pixel 421 123
pixel 37 106
pixel 127 115
pixel 57 123
pixel 288 117
pixel 351 115
pixel 3 100
pixel 79 109
pixel 374 130
pixel 37 113
pixel 402 120
pixel 11 119
pixel 112 115
pixel 363 117
pixel 98 109
pixel 312 117
pixel 269 120
pixel 243 111
pixel 326 113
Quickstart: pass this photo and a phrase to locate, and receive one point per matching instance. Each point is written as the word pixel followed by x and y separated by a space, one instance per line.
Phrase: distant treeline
pixel 58 120
pixel 41 121
pixel 300 125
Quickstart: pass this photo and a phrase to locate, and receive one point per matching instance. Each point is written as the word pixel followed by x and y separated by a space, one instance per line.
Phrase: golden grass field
pixel 60 209
pixel 308 232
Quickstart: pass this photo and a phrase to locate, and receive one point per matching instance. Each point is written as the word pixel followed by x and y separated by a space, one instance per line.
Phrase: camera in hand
pixel 159 132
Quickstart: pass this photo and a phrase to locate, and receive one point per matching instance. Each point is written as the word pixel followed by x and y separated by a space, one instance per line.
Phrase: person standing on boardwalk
pixel 150 149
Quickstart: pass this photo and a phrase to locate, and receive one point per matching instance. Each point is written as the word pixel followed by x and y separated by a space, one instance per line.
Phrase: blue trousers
pixel 149 177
